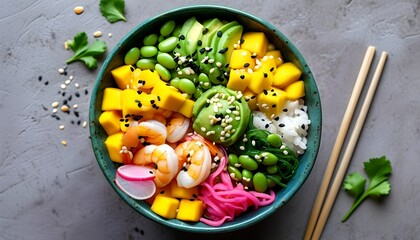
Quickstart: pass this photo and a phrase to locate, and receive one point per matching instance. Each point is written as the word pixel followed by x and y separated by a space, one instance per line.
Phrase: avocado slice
pixel 216 38
pixel 192 37
pixel 186 28
pixel 210 28
pixel 226 44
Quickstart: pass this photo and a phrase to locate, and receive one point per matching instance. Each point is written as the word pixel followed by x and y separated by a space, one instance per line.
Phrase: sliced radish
pixel 139 190
pixel 136 172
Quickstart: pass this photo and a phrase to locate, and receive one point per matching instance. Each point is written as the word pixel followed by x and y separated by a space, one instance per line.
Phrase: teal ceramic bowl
pixel 290 53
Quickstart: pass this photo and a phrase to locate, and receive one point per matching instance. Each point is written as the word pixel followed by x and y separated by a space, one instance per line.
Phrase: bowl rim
pixel 199 227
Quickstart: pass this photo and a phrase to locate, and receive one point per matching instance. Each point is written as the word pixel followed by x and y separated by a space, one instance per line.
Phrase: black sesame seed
pixel 303 126
pixel 86 92
pixel 267 125
pixel 158 98
pixel 265 75
pixel 226 65
pixel 246 65
pixel 79 122
pixel 63 94
pixel 194 195
pixel 126 120
pixel 274 94
pixel 252 97
pixel 242 40
pixel 265 92
pixel 76 113
pixel 132 68
pixel 139 92
pixel 242 76
pixel 162 192
pixel 202 51
pixel 223 50
pixel 273 106
pixel 178 46
pixel 205 30
pixel 181 37
pixel 72 122
pixel 281 125
pixel 121 119
pixel 271 69
pixel 276 118
pixel 77 94
pixel 64 101
pixel 199 43
pixel 150 172
pixel 152 101
pixel 219 33
pixel 40 78
pixel 70 97
pixel 285 110
pixel 46 83
pixel 127 115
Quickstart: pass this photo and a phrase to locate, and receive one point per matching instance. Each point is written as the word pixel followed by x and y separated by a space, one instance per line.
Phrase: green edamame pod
pixel 274 140
pixel 272 169
pixel 148 51
pixel 248 163
pixel 269 159
pixel 163 72
pixel 233 160
pixel 167 28
pixel 260 182
pixel 187 86
pixel 174 82
pixel 150 39
pixel 237 176
pixel 204 81
pixel 146 63
pixel 132 56
pixel 247 175
pixel 168 44
pixel 166 60
pixel 161 38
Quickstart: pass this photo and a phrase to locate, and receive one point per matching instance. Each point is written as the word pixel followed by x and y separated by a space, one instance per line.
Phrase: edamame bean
pixel 248 163
pixel 269 159
pixel 146 63
pixel 148 51
pixel 246 175
pixel 274 140
pixel 163 72
pixel 204 81
pixel 168 44
pixel 198 92
pixel 177 30
pixel 132 56
pixel 166 60
pixel 174 82
pixel 260 182
pixel 233 160
pixel 167 28
pixel 271 169
pixel 161 38
pixel 150 39
pixel 187 86
pixel 234 173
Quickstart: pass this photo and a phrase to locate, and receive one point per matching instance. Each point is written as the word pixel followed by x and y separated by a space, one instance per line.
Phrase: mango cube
pixel 251 98
pixel 286 74
pixel 110 121
pixel 295 90
pixel 181 192
pixel 255 42
pixel 169 97
pixel 241 58
pixel 260 81
pixel 238 80
pixel 145 79
pixel 122 76
pixel 165 206
pixel 272 101
pixel 113 144
pixel 138 103
pixel 111 99
pixel 186 108
pixel 268 64
pixel 190 210
pixel 276 55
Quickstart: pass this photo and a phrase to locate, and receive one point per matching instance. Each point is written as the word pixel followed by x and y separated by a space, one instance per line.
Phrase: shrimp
pixel 177 127
pixel 196 159
pixel 146 132
pixel 164 159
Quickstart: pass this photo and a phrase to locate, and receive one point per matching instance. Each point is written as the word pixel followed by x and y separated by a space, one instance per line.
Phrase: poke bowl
pixel 205 119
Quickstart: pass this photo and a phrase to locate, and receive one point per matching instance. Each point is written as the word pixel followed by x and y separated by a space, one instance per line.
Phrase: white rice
pixel 291 125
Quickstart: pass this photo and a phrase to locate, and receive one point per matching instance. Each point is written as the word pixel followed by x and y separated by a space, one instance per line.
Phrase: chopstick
pixel 335 187
pixel 348 115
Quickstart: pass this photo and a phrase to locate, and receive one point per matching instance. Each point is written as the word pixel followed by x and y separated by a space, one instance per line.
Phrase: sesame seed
pixel 242 148
pixel 285 152
pixel 61 127
pixel 66 45
pixel 61 70
pixel 64 143
pixel 55 110
pixel 63 86
pixel 84 124
pixel 55 104
pixel 75 105
pixel 97 34
pixel 79 10
pixel 64 108
pixel 253 143
pixel 109 34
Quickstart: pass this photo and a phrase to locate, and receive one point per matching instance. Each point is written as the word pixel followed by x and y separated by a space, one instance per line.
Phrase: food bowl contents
pixel 206 120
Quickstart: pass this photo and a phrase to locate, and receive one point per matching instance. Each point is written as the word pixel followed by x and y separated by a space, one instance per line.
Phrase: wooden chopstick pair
pixel 321 212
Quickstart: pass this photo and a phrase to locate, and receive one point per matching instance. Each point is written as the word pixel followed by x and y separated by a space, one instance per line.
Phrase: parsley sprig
pixel 112 10
pixel 85 53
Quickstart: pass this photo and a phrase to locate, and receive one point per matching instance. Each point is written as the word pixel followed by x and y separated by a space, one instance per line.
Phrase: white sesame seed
pixel 253 143
pixel 67 82
pixel 75 105
pixel 64 143
pixel 61 70
pixel 218 64
pixel 97 34
pixel 76 85
pixel 242 148
pixel 61 127
pixel 55 110
pixel 109 34
pixel 203 129
pixel 84 124
pixel 66 45
pixel 55 104
pixel 63 86
pixel 79 10
pixel 285 152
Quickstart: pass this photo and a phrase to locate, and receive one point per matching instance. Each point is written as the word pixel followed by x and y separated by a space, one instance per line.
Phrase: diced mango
pixel 122 76
pixel 251 99
pixel 190 210
pixel 241 58
pixel 165 206
pixel 111 99
pixel 272 101
pixel 181 192
pixel 295 90
pixel 255 42
pixel 260 81
pixel 238 80
pixel 277 56
pixel 267 64
pixel 145 79
pixel 286 74
pixel 125 123
pixel 110 121
pixel 186 108
pixel 113 145
pixel 159 191
pixel 138 103
pixel 169 97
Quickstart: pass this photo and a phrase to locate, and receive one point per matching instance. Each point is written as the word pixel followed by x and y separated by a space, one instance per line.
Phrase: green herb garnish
pixel 85 53
pixel 112 10
pixel 378 170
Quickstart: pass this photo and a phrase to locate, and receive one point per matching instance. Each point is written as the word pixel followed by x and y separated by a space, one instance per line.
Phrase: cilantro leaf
pixel 378 170
pixel 112 10
pixel 85 53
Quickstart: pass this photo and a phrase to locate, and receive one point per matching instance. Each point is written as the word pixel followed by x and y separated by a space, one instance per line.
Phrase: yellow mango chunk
pixel 113 144
pixel 295 90
pixel 110 121
pixel 271 101
pixel 286 74
pixel 277 56
pixel 190 210
pixel 181 192
pixel 159 191
pixel 186 108
pixel 260 81
pixel 267 64
pixel 122 76
pixel 125 123
pixel 251 98
pixel 138 103
pixel 169 97
pixel 241 58
pixel 238 80
pixel 111 99
pixel 165 206
pixel 255 42
pixel 145 79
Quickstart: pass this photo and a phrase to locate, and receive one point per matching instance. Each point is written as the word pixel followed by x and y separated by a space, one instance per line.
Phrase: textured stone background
pixel 48 191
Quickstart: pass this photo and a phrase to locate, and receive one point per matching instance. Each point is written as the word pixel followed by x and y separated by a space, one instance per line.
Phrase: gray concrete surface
pixel 51 191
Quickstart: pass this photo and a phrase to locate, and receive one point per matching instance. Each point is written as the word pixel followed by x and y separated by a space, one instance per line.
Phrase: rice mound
pixel 291 125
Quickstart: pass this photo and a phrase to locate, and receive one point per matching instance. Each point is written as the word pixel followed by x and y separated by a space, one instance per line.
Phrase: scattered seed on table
pixel 63 86
pixel 61 70
pixel 64 143
pixel 67 82
pixel 61 127
pixel 66 45
pixel 84 124
pixel 65 108
pixel 55 110
pixel 55 104
pixel 79 10
pixel 109 34
pixel 77 85
pixel 97 34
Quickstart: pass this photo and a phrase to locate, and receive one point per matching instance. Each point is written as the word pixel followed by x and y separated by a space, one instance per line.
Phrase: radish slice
pixel 136 173
pixel 139 190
